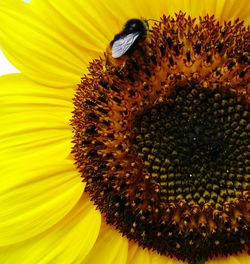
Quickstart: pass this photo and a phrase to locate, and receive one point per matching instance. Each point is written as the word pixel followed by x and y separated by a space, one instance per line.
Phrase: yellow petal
pixel 138 255
pixel 44 45
pixel 110 248
pixel 38 181
pixel 106 18
pixel 158 259
pixel 243 258
pixel 32 118
pixel 69 241
pixel 94 21
pixel 222 10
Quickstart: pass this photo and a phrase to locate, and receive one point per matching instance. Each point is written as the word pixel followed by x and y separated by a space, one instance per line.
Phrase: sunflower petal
pixel 38 182
pixel 222 10
pixel 106 18
pixel 96 24
pixel 42 44
pixel 110 248
pixel 236 259
pixel 69 241
pixel 159 259
pixel 32 117
pixel 138 255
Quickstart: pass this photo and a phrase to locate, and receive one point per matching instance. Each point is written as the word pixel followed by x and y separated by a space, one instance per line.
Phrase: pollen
pixel 161 138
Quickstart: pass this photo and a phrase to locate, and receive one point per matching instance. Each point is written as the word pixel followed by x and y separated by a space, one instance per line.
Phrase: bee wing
pixel 122 45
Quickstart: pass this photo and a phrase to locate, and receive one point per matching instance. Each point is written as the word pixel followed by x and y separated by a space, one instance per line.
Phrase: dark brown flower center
pixel 193 147
pixel 162 138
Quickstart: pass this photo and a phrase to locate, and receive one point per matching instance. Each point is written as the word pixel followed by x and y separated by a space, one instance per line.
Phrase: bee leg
pixel 122 66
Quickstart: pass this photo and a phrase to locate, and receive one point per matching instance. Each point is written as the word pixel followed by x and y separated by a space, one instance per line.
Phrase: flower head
pixel 161 133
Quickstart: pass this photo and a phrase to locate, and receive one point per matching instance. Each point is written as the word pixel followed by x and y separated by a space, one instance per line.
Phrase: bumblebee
pixel 134 31
pixel 126 42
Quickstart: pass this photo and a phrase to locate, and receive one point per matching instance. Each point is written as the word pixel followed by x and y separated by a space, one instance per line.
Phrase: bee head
pixel 135 25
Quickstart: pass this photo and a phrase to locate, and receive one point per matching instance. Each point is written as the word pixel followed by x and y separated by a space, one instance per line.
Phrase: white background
pixel 5 66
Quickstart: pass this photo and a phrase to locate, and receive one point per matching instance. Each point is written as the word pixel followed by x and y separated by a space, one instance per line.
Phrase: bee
pixel 134 31
pixel 126 42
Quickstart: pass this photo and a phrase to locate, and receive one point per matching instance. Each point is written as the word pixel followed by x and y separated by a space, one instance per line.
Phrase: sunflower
pixel 157 167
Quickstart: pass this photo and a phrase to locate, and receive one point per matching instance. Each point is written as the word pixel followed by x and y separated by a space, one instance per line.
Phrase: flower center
pixel 162 137
pixel 193 147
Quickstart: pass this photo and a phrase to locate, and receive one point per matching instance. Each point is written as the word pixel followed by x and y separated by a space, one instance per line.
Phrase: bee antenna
pixel 151 19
